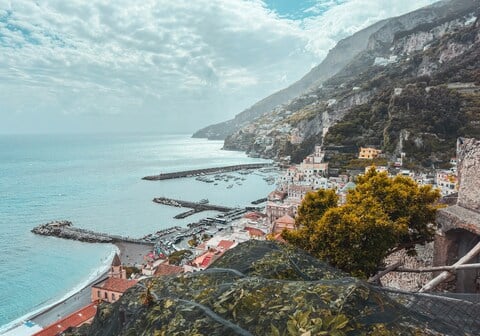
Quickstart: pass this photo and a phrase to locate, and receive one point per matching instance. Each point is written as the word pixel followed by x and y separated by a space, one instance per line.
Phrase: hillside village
pixel 281 207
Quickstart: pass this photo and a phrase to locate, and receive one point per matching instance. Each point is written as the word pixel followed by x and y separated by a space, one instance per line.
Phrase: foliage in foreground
pixel 381 215
pixel 263 288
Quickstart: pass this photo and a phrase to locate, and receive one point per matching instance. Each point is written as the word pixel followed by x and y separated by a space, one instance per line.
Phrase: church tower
pixel 117 271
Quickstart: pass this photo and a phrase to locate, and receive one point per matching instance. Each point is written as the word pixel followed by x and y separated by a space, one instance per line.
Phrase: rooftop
pixel 116 285
pixel 165 269
pixel 73 320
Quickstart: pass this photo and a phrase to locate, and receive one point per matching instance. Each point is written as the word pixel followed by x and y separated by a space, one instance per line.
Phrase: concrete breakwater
pixel 195 206
pixel 66 230
pixel 206 171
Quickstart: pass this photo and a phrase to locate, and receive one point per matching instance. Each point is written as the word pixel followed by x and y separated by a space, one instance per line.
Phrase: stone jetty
pixel 66 230
pixel 206 171
pixel 195 206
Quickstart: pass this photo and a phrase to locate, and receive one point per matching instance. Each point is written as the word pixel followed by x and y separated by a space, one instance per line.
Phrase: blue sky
pixel 161 65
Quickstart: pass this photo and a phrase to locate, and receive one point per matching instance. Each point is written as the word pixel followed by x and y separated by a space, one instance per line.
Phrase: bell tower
pixel 117 270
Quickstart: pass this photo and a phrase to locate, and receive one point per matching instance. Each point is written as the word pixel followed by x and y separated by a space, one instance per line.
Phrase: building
pixel 283 223
pixel 298 192
pixel 447 182
pixel 277 210
pixel 112 288
pixel 369 153
pixel 116 269
pixel 75 320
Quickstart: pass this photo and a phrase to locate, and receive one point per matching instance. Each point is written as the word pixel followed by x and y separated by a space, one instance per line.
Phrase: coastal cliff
pixel 419 67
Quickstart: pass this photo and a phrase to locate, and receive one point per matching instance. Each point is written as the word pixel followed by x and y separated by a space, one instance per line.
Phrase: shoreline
pixel 76 299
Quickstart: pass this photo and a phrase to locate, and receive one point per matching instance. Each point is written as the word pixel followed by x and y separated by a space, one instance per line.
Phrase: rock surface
pixel 261 288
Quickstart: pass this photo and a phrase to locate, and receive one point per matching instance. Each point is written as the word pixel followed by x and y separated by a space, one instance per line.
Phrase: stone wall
pixel 468 155
pixel 409 281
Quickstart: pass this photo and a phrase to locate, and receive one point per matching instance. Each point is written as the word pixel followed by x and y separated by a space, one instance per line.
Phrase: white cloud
pixel 142 64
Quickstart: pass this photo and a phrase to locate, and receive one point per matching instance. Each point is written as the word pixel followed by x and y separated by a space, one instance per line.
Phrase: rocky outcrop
pixel 65 230
pixel 262 288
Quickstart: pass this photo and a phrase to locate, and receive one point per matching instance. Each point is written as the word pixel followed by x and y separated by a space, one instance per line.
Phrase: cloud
pixel 160 65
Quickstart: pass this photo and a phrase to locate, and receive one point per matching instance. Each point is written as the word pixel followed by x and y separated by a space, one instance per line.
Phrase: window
pixel 113 297
pixel 99 294
pixel 106 295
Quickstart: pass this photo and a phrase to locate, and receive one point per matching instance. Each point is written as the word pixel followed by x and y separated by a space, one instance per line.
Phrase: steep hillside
pixel 348 57
pixel 261 288
pixel 336 59
pixel 388 96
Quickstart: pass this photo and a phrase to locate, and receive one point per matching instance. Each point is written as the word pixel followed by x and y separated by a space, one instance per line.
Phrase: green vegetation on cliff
pixel 262 288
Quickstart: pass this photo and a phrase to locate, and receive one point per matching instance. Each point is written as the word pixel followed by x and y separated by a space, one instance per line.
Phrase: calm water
pixel 94 181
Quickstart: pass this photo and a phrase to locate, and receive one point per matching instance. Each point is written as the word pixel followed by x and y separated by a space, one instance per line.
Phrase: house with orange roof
pixel 255 233
pixel 76 319
pixel 224 245
pixel 203 261
pixel 112 288
pixel 283 223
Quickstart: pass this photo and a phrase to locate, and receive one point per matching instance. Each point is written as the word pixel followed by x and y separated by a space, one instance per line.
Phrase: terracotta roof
pixel 116 260
pixel 203 260
pixel 286 219
pixel 116 285
pixel 165 269
pixel 225 244
pixel 255 232
pixel 206 261
pixel 73 320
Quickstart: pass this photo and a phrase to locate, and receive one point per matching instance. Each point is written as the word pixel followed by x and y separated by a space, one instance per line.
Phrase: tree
pixel 382 215
pixel 313 206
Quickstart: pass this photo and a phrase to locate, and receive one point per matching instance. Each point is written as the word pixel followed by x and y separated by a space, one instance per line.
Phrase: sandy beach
pixel 130 254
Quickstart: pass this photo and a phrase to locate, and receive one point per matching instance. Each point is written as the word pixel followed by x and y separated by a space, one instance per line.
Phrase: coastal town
pixel 194 248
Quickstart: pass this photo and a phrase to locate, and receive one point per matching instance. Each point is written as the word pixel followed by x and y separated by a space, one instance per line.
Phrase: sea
pixel 94 181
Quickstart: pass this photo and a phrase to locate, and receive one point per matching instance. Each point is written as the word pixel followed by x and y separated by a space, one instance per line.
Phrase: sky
pixel 161 65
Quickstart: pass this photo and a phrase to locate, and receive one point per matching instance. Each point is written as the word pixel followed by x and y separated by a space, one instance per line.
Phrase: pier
pixel 205 171
pixel 195 207
pixel 66 230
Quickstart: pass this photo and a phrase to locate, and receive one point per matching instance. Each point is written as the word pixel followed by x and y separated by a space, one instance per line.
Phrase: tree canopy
pixel 381 215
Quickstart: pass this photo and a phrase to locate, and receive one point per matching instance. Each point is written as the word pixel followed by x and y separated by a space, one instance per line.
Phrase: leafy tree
pixel 382 215
pixel 313 206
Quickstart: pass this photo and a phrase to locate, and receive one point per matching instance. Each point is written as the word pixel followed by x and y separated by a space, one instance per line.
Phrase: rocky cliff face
pixel 345 60
pixel 336 59
pixel 261 288
pixel 417 57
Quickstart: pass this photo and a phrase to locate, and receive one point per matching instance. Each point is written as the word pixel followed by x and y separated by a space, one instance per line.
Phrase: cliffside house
pixel 369 153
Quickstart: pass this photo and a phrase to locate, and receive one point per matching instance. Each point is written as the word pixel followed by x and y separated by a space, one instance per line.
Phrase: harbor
pixel 205 171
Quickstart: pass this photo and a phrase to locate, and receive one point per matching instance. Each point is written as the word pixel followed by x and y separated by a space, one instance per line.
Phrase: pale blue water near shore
pixel 94 181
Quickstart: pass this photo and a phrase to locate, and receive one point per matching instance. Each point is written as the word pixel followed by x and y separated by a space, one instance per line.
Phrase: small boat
pixel 203 201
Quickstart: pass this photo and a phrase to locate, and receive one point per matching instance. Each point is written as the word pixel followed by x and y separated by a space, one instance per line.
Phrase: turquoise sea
pixel 94 181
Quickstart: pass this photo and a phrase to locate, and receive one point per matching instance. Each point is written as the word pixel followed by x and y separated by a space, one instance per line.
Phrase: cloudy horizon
pixel 158 65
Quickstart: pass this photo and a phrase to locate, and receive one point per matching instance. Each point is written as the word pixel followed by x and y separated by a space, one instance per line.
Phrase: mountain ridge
pixel 431 51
